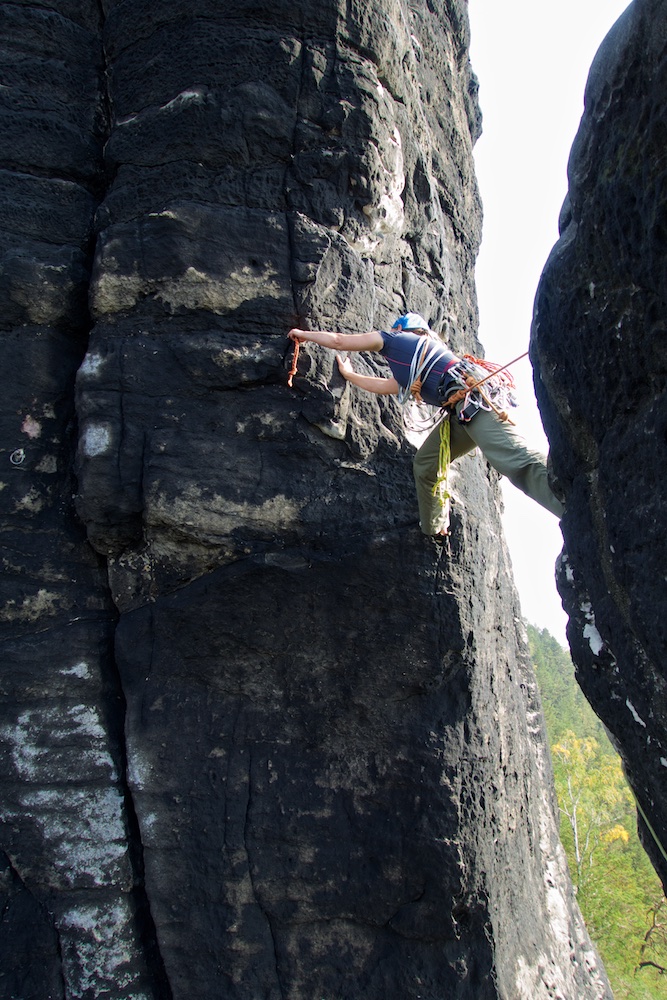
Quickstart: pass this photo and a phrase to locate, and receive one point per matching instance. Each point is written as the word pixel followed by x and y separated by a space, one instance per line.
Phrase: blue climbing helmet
pixel 410 321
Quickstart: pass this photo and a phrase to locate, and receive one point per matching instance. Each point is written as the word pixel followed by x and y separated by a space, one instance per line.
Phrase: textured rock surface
pixel 599 345
pixel 261 739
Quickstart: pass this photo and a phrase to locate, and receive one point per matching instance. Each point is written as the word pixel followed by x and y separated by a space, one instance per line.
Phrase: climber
pixel 423 367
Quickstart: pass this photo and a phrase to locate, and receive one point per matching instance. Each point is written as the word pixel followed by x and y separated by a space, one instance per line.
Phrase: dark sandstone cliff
pixel 600 349
pixel 259 737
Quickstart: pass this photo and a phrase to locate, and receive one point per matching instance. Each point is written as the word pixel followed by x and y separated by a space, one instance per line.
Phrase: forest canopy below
pixel 618 891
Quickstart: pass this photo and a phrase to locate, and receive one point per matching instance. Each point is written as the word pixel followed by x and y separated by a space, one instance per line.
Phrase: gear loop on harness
pixel 466 375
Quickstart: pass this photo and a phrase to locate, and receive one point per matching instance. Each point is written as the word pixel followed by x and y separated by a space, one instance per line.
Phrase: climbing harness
pixel 467 372
pixel 500 382
pixel 466 376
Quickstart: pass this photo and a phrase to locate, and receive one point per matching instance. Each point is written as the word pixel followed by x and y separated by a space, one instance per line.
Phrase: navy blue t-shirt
pixel 399 348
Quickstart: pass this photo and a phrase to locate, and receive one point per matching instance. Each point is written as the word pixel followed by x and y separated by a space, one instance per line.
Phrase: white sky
pixel 532 60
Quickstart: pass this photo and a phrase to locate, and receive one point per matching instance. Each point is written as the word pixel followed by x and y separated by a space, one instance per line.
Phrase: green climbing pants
pixel 504 449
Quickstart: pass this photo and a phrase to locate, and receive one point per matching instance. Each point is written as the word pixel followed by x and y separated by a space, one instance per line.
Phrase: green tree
pixel 619 893
pixel 594 798
pixel 564 704
pixel 653 951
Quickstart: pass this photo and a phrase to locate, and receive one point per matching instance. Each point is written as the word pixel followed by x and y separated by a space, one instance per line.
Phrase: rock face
pixel 600 351
pixel 260 738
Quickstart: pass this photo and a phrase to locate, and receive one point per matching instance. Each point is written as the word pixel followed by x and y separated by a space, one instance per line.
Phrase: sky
pixel 532 59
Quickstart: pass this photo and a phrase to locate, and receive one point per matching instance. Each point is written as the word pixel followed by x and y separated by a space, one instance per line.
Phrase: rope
pixel 501 414
pixel 416 381
pixel 649 827
pixel 473 385
pixel 295 358
pixel 444 458
pixel 421 417
pixel 494 369
pixel 420 369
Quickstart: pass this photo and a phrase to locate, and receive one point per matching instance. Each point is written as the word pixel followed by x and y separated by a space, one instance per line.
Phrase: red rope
pixel 494 369
pixel 295 359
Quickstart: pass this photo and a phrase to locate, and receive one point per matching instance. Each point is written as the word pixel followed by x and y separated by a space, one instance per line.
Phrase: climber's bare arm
pixel 340 341
pixel 380 386
pixel 351 342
